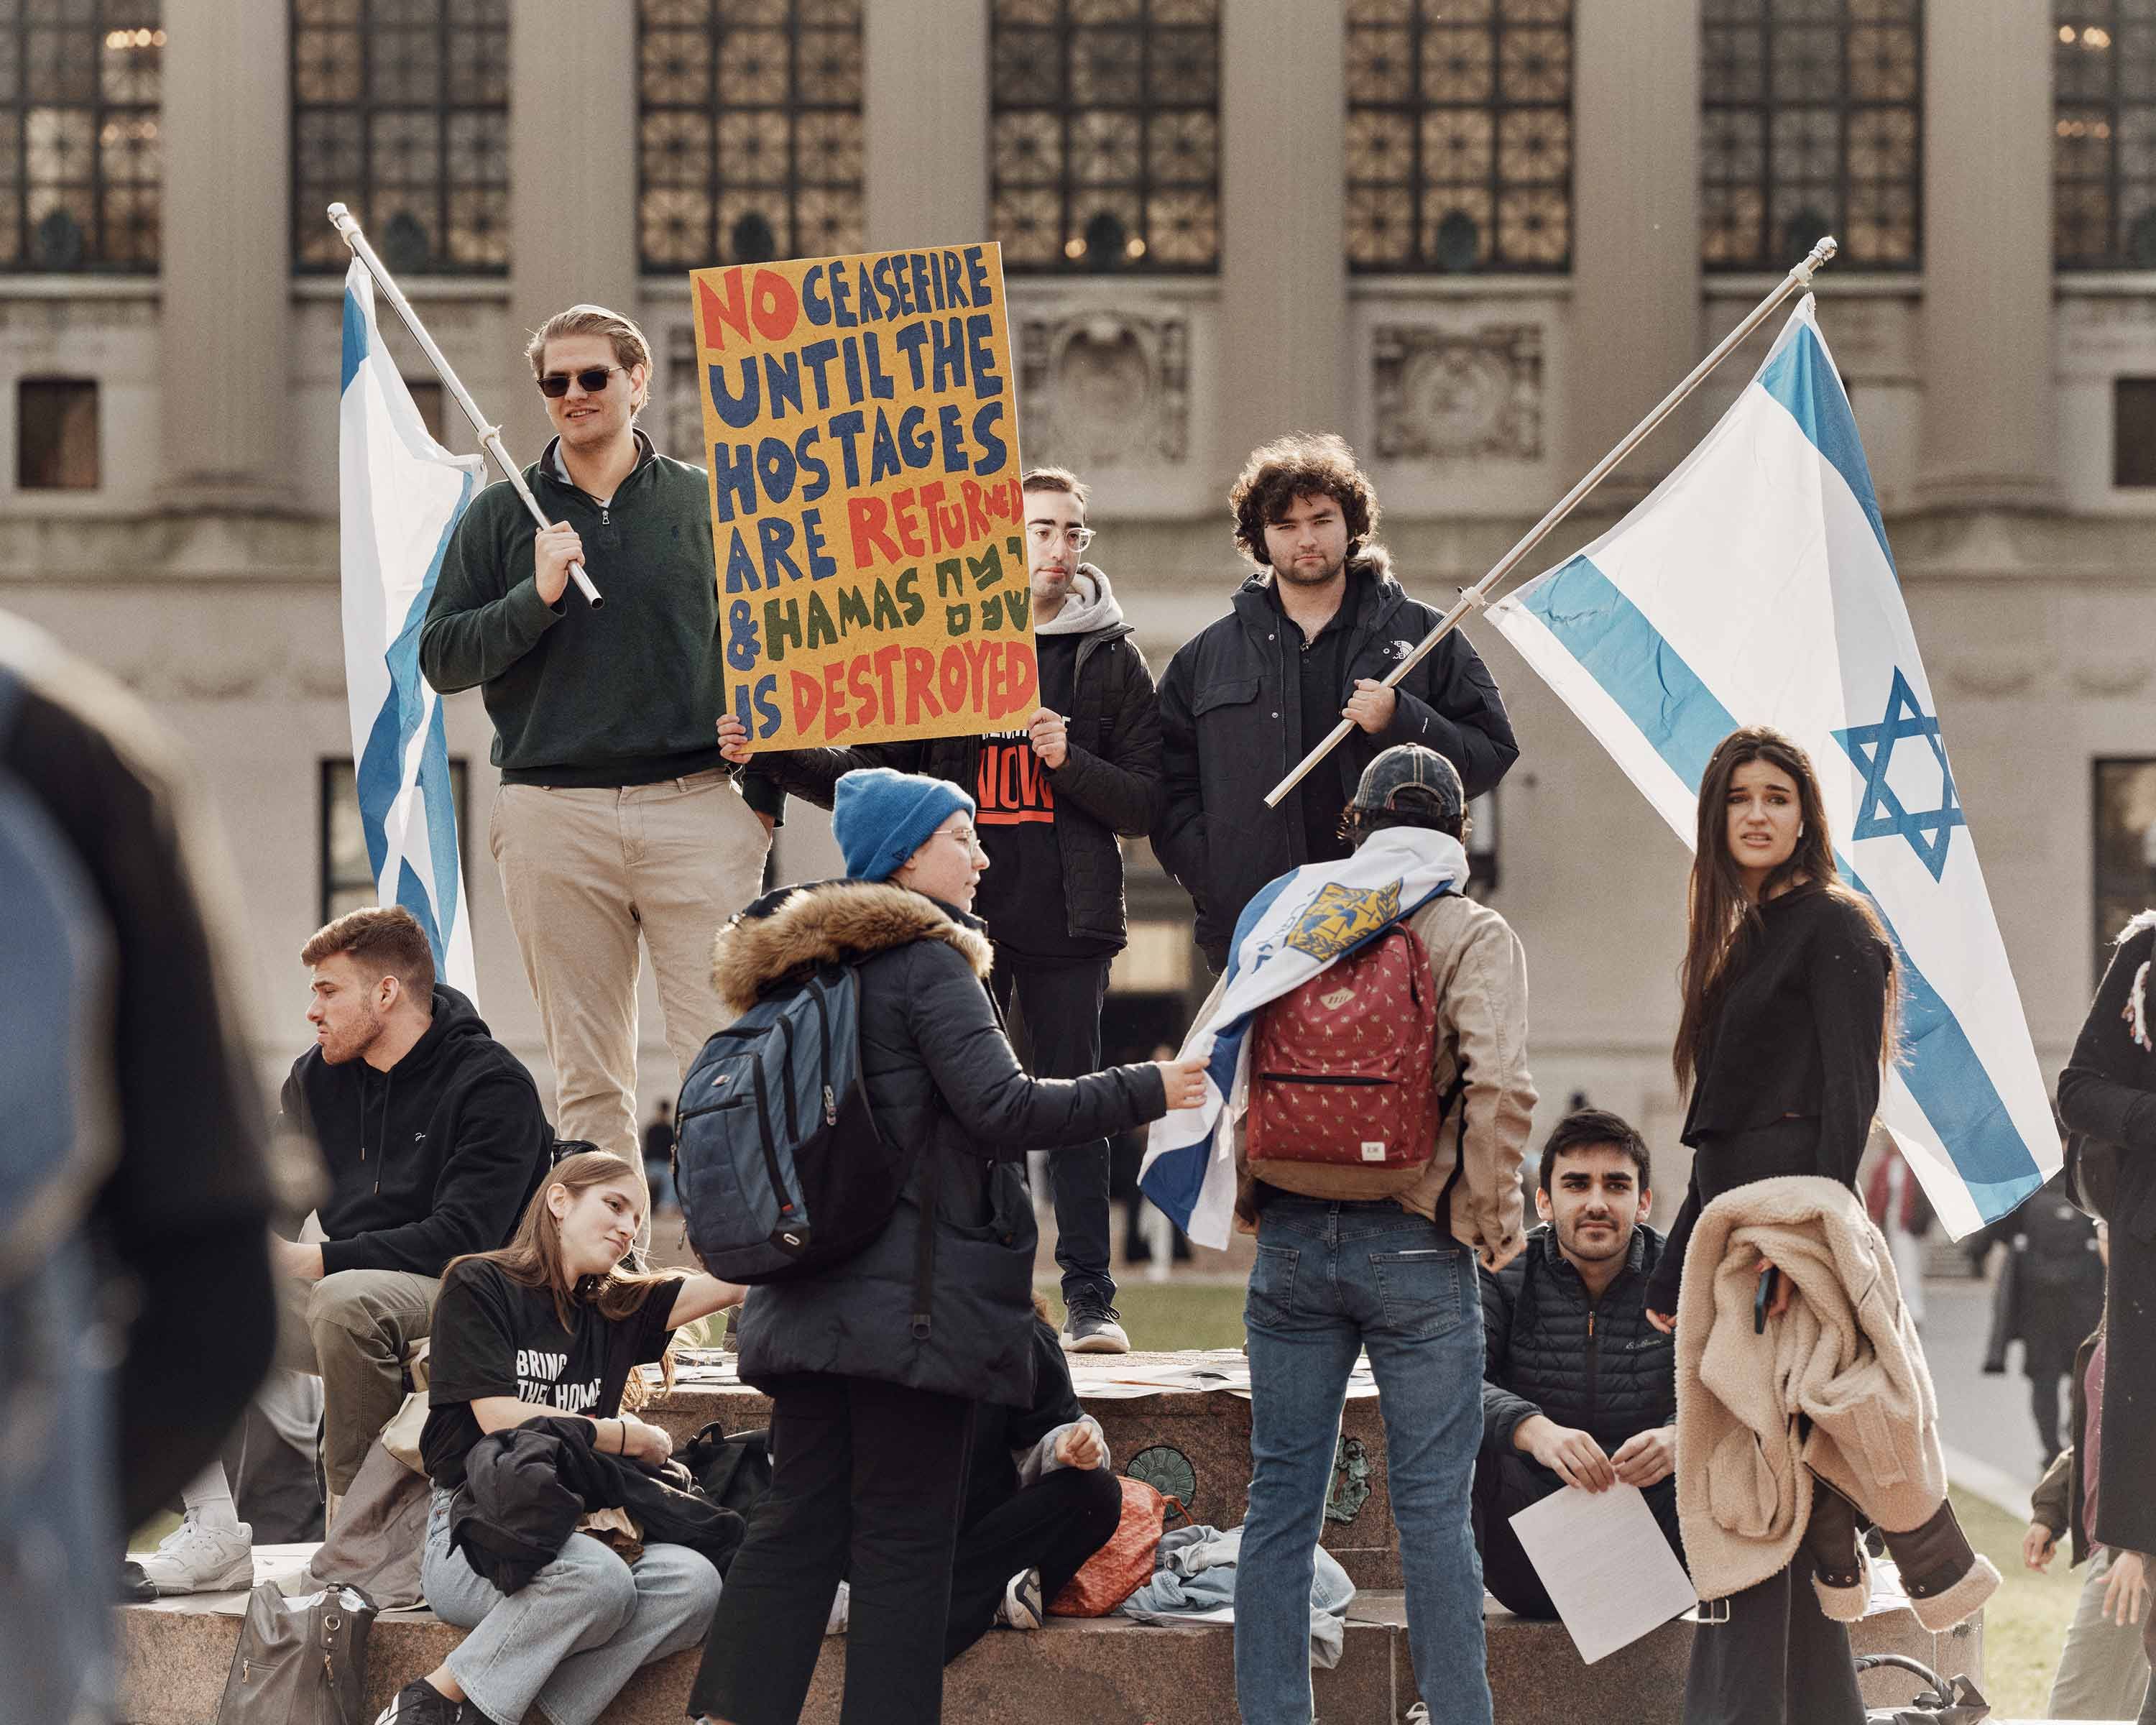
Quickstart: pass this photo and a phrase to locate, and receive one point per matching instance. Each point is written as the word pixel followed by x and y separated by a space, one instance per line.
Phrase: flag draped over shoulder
pixel 1754 585
pixel 1293 929
pixel 401 493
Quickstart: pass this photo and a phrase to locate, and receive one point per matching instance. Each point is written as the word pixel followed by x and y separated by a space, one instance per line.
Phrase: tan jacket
pixel 1845 1354
pixel 1481 974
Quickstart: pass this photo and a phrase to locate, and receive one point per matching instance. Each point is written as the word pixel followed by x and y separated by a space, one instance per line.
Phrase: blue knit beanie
pixel 880 818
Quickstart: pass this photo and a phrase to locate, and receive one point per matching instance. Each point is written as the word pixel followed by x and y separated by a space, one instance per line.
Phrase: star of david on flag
pixel 1754 585
pixel 1879 811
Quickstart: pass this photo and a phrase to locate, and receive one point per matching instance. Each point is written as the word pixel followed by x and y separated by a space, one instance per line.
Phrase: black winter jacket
pixel 1599 1367
pixel 1109 782
pixel 527 1486
pixel 942 1080
pixel 1001 1434
pixel 433 1158
pixel 1231 728
pixel 2109 1090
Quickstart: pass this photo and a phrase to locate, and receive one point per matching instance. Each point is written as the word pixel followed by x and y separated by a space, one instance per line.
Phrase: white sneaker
pixel 198 1559
pixel 1090 1326
pixel 1021 1607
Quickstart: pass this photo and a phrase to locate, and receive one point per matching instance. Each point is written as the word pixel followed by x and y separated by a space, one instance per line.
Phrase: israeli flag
pixel 401 493
pixel 1754 587
pixel 1292 930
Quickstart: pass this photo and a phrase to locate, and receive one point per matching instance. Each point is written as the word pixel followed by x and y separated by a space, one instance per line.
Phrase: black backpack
pixel 777 1159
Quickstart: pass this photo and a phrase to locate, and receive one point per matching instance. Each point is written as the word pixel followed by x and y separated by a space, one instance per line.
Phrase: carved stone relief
pixel 1442 395
pixel 1105 389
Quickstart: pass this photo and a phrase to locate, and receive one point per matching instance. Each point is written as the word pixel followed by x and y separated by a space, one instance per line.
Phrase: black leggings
pixel 1053 1525
pixel 867 1482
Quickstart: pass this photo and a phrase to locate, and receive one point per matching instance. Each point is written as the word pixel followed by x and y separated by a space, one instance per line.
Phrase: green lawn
pixel 1161 1315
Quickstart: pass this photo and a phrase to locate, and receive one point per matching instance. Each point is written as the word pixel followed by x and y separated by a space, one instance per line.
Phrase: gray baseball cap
pixel 1410 766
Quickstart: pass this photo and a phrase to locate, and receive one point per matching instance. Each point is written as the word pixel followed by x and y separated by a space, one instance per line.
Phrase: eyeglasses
pixel 1047 533
pixel 556 384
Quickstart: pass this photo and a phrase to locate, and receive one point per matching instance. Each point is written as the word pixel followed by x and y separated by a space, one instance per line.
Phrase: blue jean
pixel 1331 1281
pixel 570 1638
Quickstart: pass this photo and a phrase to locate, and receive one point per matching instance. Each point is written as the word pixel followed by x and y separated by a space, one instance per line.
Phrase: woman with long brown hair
pixel 1788 996
pixel 552 1325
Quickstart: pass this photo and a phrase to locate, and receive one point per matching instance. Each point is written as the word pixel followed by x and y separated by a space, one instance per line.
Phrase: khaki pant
pixel 586 871
pixel 2102 1672
pixel 351 1330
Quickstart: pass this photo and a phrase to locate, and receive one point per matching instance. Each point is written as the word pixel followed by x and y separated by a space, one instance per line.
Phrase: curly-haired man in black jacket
pixel 1577 1388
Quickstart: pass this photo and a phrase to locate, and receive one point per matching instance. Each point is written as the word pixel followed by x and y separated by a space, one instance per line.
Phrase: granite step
pixel 1193 1444
pixel 1075 1671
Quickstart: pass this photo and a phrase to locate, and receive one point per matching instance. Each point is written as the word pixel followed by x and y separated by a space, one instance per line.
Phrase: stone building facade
pixel 1997 380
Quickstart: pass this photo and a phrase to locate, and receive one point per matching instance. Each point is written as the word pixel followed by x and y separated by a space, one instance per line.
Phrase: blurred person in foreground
pixel 136 1308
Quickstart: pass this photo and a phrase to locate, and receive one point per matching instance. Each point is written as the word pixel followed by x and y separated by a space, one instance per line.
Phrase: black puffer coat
pixel 1231 727
pixel 2108 1091
pixel 1599 1366
pixel 941 1077
pixel 1109 782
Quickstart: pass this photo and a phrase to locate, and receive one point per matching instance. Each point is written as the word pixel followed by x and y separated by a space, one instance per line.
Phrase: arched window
pixel 79 159
pixel 748 130
pixel 1812 123
pixel 2103 151
pixel 1105 153
pixel 400 109
pixel 1458 135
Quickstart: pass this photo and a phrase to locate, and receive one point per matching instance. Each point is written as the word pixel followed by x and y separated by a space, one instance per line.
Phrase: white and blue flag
pixel 401 493
pixel 1754 587
pixel 1295 928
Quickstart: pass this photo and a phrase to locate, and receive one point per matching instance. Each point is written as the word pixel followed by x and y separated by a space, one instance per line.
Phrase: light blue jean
pixel 1331 1281
pixel 576 1633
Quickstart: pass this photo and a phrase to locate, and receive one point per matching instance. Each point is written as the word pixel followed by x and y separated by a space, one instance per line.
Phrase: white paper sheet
pixel 1610 1572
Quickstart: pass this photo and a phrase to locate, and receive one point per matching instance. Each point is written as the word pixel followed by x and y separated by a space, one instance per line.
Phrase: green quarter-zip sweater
pixel 630 694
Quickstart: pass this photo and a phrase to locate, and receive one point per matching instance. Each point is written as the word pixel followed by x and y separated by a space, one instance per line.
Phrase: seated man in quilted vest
pixel 1378 1161
pixel 1578 1388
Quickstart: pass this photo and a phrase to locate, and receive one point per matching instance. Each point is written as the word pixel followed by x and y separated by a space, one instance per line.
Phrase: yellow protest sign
pixel 862 436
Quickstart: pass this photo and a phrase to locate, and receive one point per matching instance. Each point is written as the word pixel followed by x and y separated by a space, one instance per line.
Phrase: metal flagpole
pixel 490 436
pixel 1474 597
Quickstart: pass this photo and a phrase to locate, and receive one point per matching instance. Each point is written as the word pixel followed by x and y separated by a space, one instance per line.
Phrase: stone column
pixel 227 283
pixel 1285 341
pixel 925 121
pixel 1635 288
pixel 1988 430
pixel 572 230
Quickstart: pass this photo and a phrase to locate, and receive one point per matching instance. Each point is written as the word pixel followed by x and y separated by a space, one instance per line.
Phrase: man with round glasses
pixel 1052 799
pixel 618 818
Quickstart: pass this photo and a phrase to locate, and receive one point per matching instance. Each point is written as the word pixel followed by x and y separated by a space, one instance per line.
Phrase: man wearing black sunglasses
pixel 617 817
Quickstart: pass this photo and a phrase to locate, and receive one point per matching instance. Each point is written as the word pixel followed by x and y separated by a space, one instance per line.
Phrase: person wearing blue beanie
pixel 880 818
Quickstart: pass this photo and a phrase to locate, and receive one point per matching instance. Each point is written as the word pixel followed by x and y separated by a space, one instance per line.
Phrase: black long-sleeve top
pixel 1794 1035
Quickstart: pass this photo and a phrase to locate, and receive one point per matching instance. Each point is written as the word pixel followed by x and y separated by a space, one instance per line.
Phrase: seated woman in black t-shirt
pixel 551 1325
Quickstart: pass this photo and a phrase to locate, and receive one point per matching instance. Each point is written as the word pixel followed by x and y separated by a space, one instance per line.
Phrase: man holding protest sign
pixel 616 816
pixel 1052 798
pixel 1314 630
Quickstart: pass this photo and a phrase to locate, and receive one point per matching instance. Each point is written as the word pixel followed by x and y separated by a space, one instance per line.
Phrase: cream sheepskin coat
pixel 1845 1353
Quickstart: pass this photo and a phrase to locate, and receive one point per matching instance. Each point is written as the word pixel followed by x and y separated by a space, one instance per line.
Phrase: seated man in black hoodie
pixel 1578 1388
pixel 434 1138
pixel 1039 1500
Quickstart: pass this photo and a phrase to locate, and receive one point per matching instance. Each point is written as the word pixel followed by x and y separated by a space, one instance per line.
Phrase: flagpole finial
pixel 1820 255
pixel 343 221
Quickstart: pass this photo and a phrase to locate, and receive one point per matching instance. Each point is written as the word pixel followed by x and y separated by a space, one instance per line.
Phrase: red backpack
pixel 1343 1102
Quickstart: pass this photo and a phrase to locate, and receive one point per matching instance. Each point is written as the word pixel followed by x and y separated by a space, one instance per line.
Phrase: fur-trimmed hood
pixel 829 922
